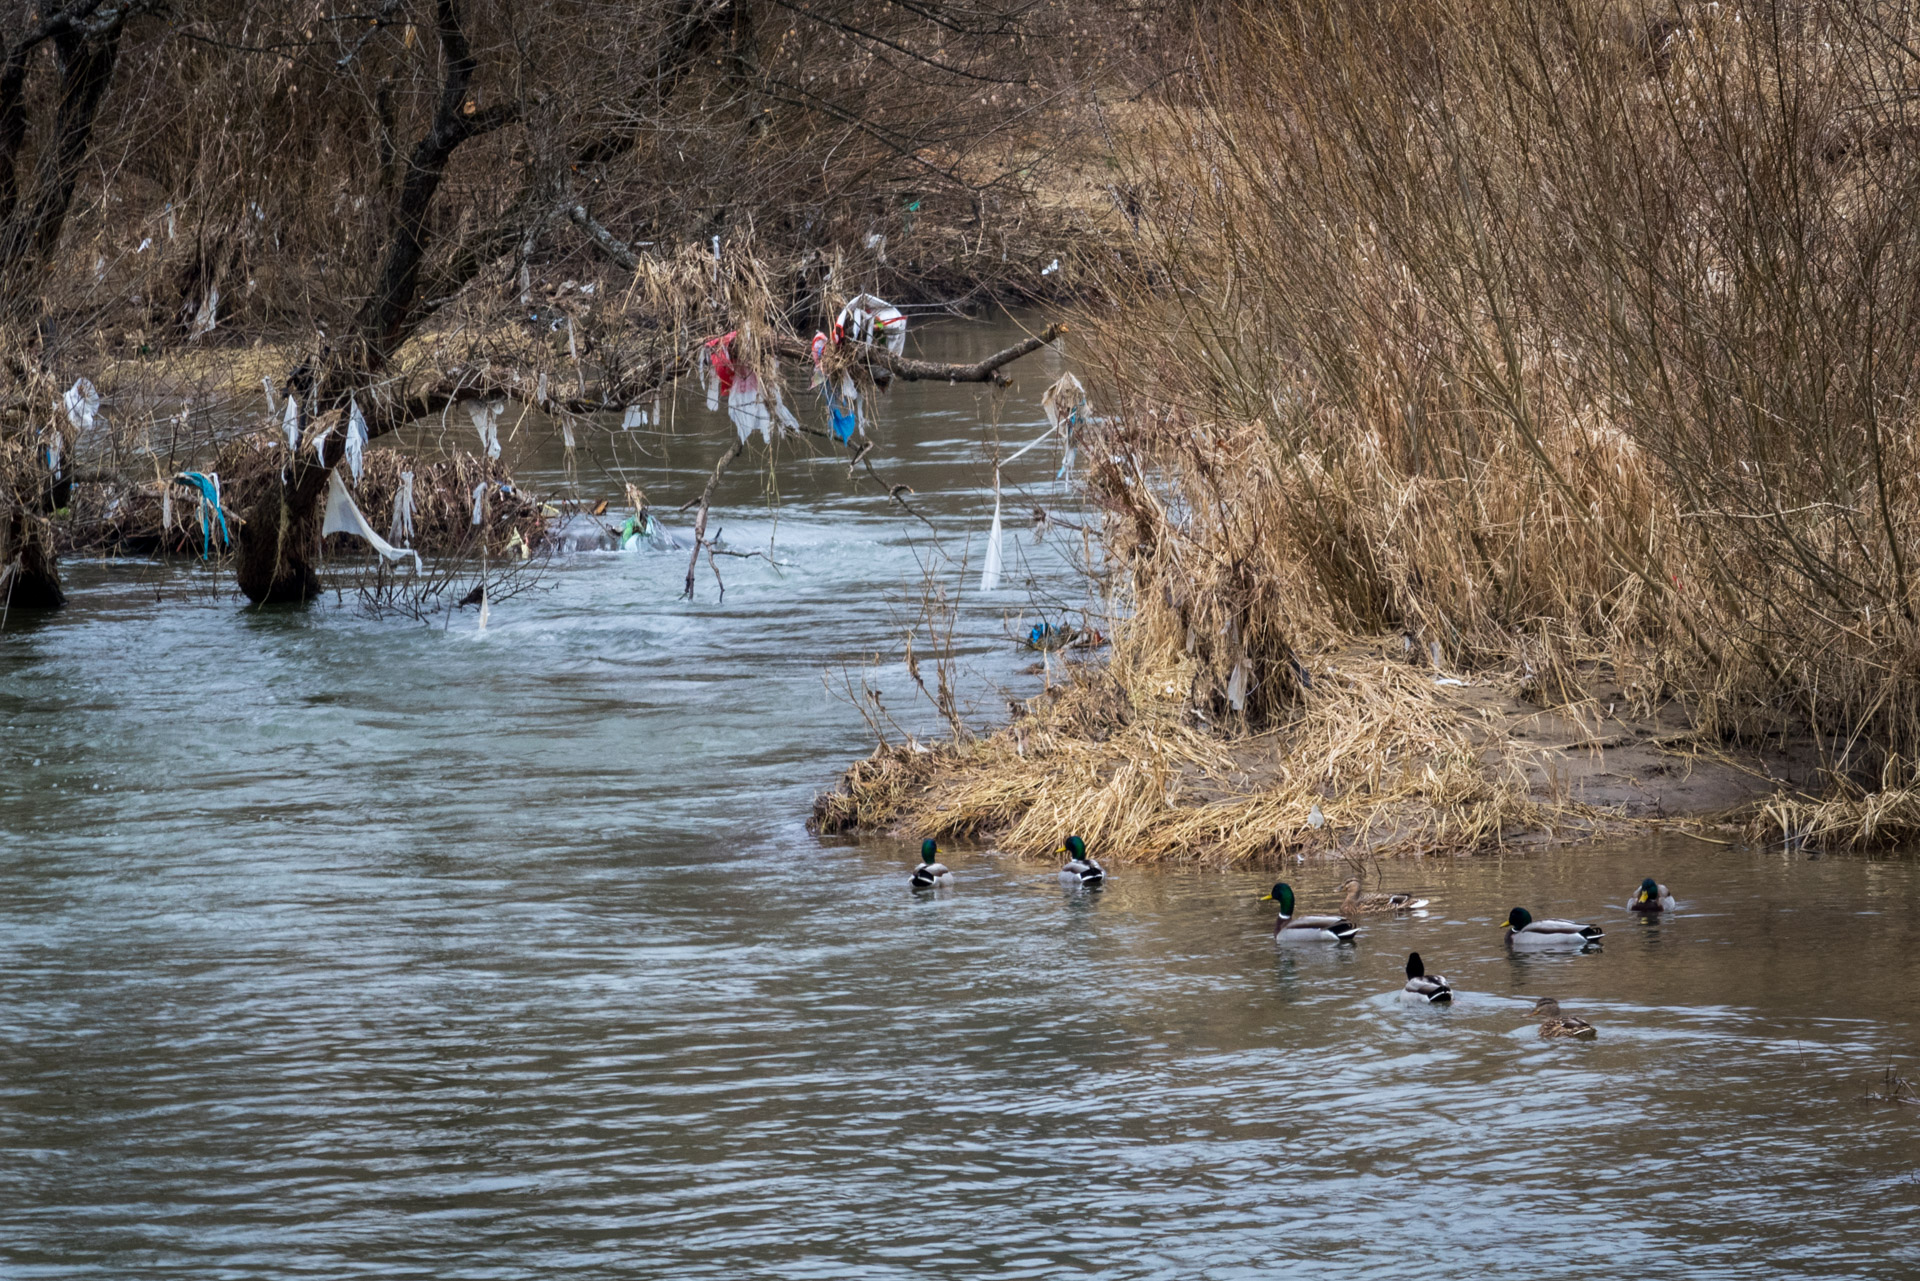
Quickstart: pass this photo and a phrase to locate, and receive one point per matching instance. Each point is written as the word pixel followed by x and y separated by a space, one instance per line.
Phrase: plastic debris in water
pixel 480 503
pixel 290 424
pixel 344 518
pixel 1045 636
pixel 635 416
pixel 401 528
pixel 356 438
pixel 634 528
pixel 1050 268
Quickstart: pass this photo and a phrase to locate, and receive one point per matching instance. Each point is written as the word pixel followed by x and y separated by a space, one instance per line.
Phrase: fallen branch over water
pixel 908 369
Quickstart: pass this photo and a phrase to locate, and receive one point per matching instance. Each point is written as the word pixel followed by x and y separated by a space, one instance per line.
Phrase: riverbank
pixel 1383 757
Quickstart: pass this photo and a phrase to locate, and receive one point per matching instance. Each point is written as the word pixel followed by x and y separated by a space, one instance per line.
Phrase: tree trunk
pixel 278 536
pixel 29 573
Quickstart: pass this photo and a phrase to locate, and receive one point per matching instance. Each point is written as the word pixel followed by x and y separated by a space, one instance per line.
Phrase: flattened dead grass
pixel 1375 761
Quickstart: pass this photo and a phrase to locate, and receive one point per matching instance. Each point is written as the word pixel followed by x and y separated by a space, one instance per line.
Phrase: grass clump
pixel 1372 760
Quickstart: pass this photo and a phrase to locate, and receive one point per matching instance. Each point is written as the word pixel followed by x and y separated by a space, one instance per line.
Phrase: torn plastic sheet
pixel 990 570
pixel 480 503
pixel 82 402
pixel 290 424
pixel 1237 686
pixel 486 421
pixel 356 438
pixel 716 368
pixel 400 530
pixel 345 518
pixel 754 411
pixel 208 487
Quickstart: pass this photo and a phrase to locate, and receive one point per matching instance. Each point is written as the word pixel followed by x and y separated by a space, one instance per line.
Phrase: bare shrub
pixel 1494 323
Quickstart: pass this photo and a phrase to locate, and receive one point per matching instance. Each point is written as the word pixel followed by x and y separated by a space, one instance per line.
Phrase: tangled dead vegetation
pixel 1849 815
pixel 1372 761
pixel 1545 338
pixel 114 518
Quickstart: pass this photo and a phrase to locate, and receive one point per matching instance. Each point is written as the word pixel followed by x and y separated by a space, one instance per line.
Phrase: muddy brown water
pixel 336 946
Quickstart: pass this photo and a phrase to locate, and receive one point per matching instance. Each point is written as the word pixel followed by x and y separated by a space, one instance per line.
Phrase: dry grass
pixel 1546 337
pixel 1849 816
pixel 1392 766
pixel 1542 336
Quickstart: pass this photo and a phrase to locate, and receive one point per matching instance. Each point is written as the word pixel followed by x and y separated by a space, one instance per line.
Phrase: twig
pixel 700 521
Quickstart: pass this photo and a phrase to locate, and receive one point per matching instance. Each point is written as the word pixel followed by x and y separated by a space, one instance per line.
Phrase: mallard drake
pixel 1422 986
pixel 1652 896
pixel 1080 868
pixel 1356 903
pixel 1306 929
pixel 1526 933
pixel 1556 1024
pixel 931 874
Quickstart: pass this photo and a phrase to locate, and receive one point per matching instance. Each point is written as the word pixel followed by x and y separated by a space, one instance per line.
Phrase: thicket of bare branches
pixel 384 194
pixel 1544 332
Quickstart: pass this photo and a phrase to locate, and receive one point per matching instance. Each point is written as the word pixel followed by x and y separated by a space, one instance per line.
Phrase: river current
pixel 337 946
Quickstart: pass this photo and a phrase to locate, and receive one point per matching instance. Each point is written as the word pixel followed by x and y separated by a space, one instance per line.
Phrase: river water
pixel 343 946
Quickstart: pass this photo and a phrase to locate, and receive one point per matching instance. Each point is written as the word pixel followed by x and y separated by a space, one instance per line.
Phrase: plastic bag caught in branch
pixel 867 319
pixel 843 409
pixel 990 571
pixel 290 424
pixel 485 416
pixel 716 368
pixel 345 518
pixel 401 528
pixel 356 438
pixel 754 410
pixel 82 402
pixel 1065 405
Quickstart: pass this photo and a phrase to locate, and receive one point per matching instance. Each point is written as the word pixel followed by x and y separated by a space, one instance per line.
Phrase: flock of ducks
pixel 1523 932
